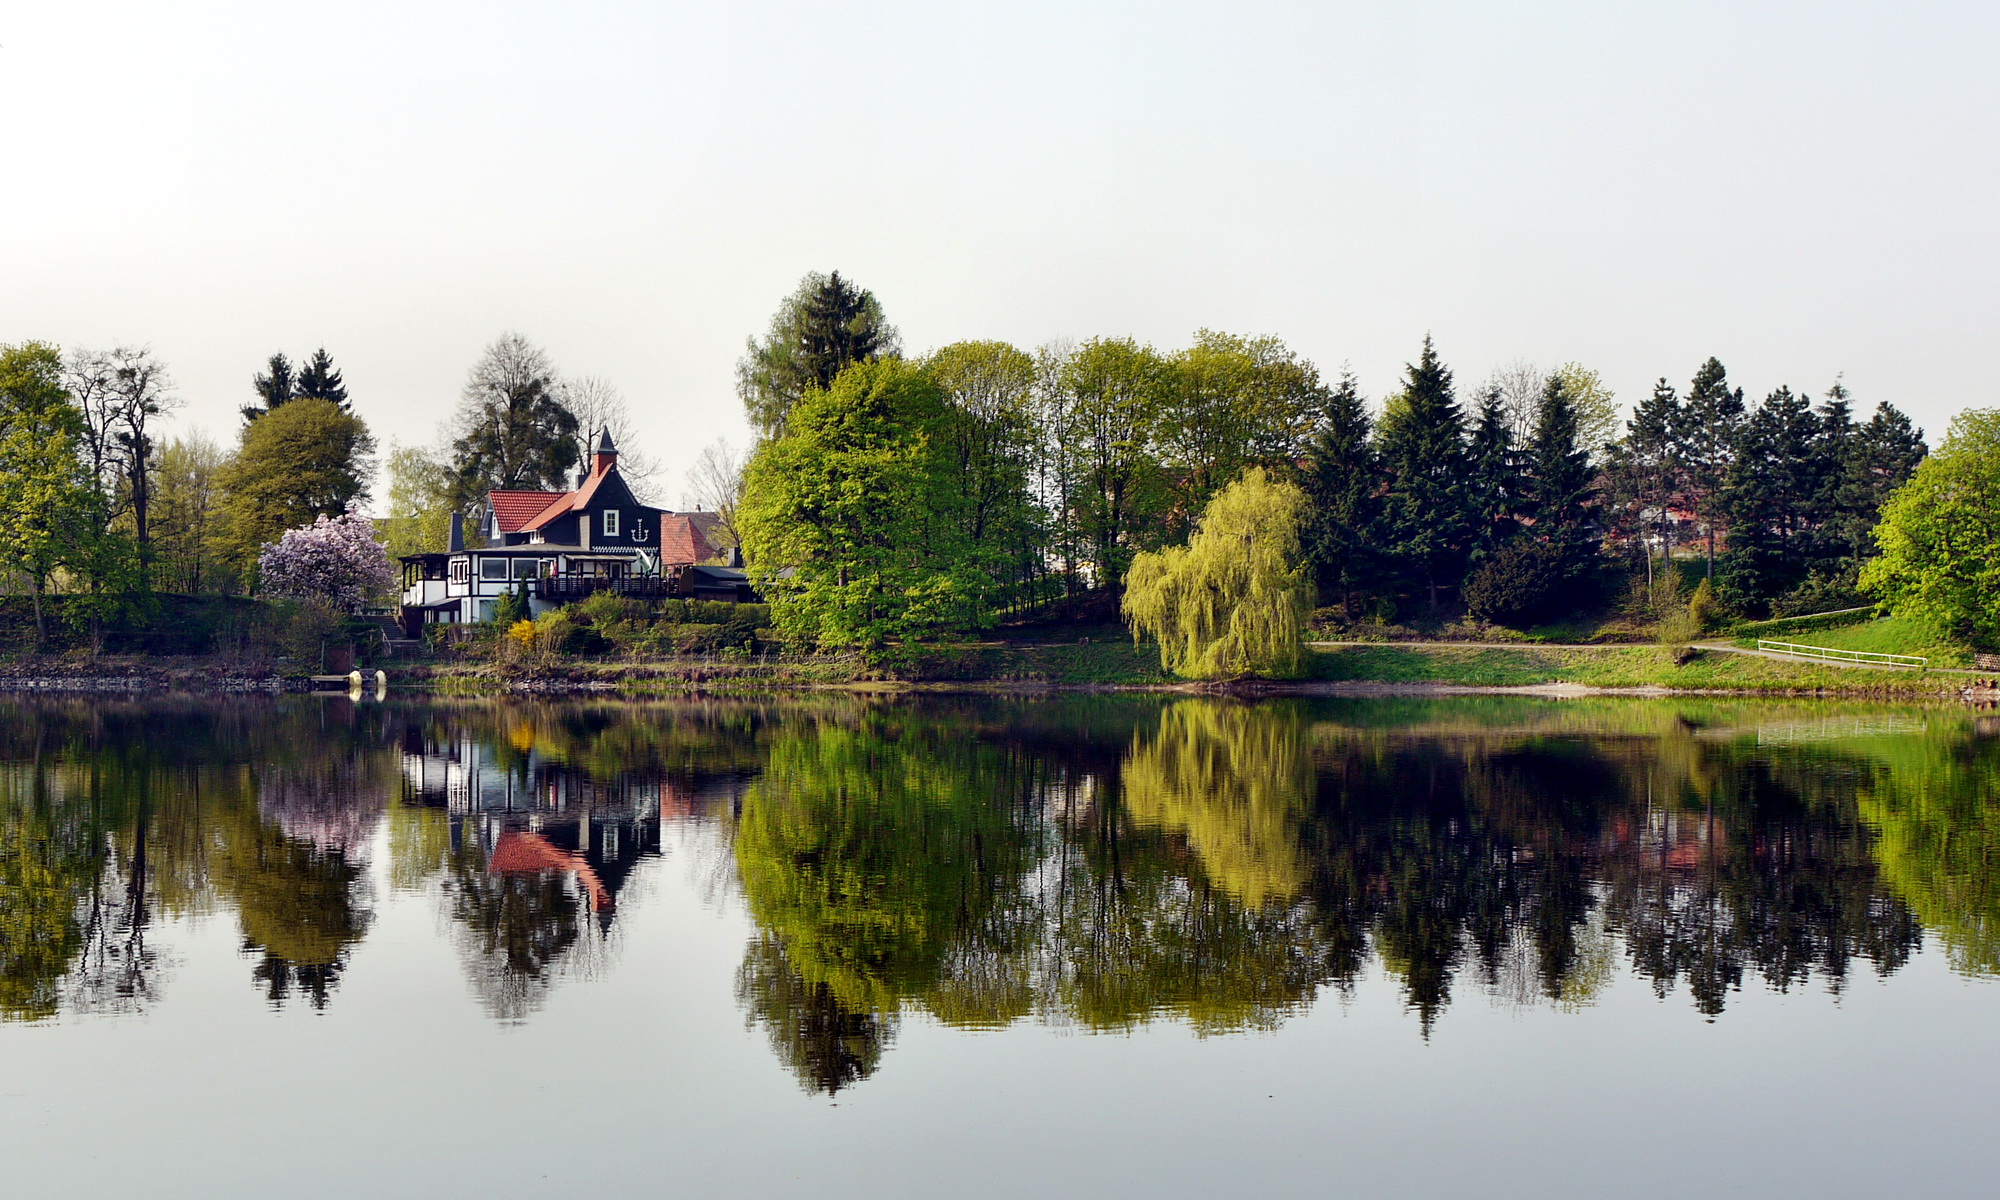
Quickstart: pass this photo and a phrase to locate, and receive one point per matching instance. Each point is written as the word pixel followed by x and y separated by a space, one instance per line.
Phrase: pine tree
pixel 319 380
pixel 1769 499
pixel 1422 445
pixel 1342 482
pixel 818 330
pixel 1882 455
pixel 1493 476
pixel 1714 418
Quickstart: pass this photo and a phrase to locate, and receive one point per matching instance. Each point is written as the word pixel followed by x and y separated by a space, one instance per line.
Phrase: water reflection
pixel 1094 862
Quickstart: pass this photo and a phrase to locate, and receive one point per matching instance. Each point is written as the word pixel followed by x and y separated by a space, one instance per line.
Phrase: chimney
pixel 457 542
pixel 606 455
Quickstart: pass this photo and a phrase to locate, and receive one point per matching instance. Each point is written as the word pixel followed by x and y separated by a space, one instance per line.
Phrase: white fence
pixel 1824 654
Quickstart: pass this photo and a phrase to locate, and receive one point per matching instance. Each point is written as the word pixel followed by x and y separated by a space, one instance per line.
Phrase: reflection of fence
pixel 1838 730
pixel 1826 654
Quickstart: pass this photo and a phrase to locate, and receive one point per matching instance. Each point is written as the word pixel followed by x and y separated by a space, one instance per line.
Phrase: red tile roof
pixel 574 501
pixel 516 509
pixel 681 541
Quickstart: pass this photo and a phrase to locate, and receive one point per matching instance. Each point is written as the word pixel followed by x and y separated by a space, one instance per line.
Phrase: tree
pixel 817 331
pixel 1342 482
pixel 1940 536
pixel 188 520
pixel 511 430
pixel 598 405
pixel 1596 406
pixel 276 385
pixel 1712 417
pixel 304 460
pixel 1648 469
pixel 1493 474
pixel 1882 455
pixel 1234 601
pixel 1771 498
pixel 418 520
pixel 1422 443
pixel 715 484
pixel 852 520
pixel 320 380
pixel 140 391
pixel 989 436
pixel 1226 403
pixel 1558 488
pixel 335 560
pixel 1109 407
pixel 46 496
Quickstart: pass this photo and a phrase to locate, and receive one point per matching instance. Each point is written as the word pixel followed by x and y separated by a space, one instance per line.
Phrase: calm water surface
pixel 1070 946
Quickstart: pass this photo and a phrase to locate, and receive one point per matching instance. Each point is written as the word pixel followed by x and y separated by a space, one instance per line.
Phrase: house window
pixel 459 571
pixel 526 568
pixel 493 570
pixel 610 522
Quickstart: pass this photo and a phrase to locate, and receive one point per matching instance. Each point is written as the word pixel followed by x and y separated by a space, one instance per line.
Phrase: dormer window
pixel 610 522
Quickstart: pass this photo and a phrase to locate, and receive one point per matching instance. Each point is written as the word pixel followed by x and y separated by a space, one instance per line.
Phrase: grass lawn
pixel 1623 666
pixel 1887 635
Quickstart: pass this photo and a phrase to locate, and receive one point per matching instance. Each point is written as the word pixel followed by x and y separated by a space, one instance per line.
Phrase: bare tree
pixel 1521 385
pixel 598 405
pixel 88 376
pixel 716 484
pixel 141 390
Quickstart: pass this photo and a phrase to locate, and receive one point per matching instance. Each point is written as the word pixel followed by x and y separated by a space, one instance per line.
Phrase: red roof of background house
pixel 516 509
pixel 681 541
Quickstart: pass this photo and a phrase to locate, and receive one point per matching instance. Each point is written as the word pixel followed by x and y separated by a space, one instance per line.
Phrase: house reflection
pixel 536 857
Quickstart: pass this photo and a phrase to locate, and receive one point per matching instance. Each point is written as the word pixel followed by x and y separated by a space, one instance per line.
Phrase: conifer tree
pixel 1559 481
pixel 1714 417
pixel 1652 465
pixel 1422 446
pixel 275 385
pixel 1342 482
pixel 817 331
pixel 1493 478
pixel 319 379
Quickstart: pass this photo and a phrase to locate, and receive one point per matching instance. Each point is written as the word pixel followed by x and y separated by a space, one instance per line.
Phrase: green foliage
pixel 1234 601
pixel 1422 444
pixel 853 522
pixel 1526 582
pixel 1341 482
pixel 1940 536
pixel 189 556
pixel 510 606
pixel 304 460
pixel 418 516
pixel 48 508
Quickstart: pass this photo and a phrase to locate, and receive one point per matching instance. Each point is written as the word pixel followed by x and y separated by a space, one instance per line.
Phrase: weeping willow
pixel 1233 601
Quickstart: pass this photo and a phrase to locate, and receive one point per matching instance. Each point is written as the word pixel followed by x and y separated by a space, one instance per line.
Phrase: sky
pixel 1803 190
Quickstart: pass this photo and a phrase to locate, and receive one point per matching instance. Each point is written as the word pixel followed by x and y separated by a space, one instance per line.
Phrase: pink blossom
pixel 335 559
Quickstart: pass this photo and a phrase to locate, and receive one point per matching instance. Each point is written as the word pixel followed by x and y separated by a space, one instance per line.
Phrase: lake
pixel 1103 945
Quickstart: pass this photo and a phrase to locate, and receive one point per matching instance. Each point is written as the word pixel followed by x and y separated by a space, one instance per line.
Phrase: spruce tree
pixel 1653 467
pixel 1881 457
pixel 1560 481
pixel 1342 482
pixel 1493 476
pixel 817 331
pixel 1714 419
pixel 274 387
pixel 320 380
pixel 1422 446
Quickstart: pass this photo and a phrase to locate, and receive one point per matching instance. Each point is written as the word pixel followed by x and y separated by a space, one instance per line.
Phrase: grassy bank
pixel 1612 667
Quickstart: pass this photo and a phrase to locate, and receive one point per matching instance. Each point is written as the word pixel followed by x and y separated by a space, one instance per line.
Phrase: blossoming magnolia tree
pixel 335 559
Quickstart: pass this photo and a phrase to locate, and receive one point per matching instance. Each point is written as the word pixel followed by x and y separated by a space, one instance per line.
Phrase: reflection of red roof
pixel 516 509
pixel 681 542
pixel 527 853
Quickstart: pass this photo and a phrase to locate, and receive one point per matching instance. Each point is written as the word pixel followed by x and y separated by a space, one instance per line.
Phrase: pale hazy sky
pixel 1800 189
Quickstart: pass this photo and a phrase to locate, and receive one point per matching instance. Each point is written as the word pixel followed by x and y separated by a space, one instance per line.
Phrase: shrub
pixel 1525 583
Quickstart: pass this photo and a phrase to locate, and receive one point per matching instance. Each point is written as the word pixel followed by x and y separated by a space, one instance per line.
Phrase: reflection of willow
pixel 1935 809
